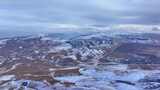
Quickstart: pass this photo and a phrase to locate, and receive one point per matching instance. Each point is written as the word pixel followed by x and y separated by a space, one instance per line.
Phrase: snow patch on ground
pixel 122 86
pixel 7 77
pixel 3 41
pixel 73 79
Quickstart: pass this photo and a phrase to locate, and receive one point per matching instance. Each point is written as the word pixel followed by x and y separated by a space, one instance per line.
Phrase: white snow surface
pixel 3 41
pixel 6 77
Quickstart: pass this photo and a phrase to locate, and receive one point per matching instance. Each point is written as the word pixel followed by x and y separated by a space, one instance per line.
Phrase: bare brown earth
pixel 39 71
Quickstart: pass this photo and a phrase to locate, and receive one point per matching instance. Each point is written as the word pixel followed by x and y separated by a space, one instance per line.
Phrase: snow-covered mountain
pixel 82 61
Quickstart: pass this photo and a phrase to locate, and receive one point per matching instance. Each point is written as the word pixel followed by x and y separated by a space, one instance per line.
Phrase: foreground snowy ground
pixel 116 77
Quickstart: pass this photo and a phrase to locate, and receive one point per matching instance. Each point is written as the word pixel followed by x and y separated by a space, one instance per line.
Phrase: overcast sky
pixel 46 14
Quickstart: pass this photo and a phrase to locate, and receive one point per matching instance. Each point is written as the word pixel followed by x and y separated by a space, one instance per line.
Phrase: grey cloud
pixel 28 13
